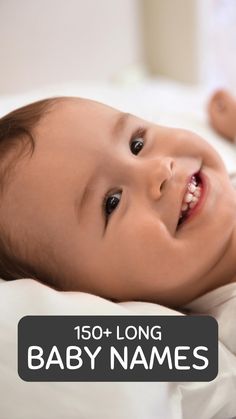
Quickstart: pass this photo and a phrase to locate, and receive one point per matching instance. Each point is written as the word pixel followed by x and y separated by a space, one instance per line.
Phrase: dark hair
pixel 16 137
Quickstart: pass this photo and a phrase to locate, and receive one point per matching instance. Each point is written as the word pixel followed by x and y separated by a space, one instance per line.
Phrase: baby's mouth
pixel 191 198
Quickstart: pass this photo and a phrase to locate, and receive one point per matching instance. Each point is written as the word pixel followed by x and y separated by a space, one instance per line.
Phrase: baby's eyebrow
pixel 121 123
pixel 117 129
pixel 88 191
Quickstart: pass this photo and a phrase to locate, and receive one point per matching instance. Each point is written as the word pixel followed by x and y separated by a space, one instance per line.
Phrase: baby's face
pixel 128 245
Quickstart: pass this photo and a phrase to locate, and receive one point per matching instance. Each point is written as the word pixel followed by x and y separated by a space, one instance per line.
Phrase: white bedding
pixel 166 103
pixel 25 400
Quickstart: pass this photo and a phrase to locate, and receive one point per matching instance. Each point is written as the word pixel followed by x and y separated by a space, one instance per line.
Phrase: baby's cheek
pixel 146 251
pixel 211 158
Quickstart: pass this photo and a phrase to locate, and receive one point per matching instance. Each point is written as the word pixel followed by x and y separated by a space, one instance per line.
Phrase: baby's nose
pixel 160 172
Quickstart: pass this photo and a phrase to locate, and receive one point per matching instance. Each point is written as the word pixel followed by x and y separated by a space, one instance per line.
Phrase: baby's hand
pixel 222 114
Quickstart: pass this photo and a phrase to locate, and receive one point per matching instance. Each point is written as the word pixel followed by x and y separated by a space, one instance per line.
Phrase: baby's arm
pixel 222 114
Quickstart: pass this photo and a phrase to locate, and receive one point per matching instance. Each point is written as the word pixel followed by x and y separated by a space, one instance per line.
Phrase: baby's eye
pixel 137 142
pixel 110 203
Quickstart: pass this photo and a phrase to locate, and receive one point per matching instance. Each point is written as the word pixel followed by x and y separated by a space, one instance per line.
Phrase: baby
pixel 100 201
pixel 222 114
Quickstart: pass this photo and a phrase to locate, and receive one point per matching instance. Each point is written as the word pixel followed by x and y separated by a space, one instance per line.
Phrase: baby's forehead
pixel 83 105
pixel 76 120
pixel 80 115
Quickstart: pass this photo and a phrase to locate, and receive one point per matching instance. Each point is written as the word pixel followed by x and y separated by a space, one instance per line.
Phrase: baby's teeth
pixel 188 197
pixel 191 197
pixel 184 207
pixel 197 192
pixel 191 187
pixel 193 202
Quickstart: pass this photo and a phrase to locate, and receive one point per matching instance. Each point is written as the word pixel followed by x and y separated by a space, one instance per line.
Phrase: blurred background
pixel 117 41
pixel 158 59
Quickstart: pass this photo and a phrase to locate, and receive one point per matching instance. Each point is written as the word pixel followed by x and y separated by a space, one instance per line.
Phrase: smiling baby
pixel 100 201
